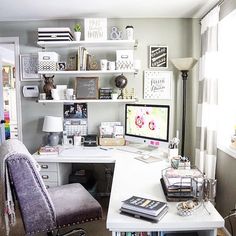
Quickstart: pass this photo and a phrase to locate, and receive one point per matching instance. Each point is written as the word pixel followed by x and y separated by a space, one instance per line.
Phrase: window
pixel 227 81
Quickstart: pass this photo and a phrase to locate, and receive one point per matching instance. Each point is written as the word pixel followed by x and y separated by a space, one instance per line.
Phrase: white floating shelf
pixel 88 101
pixel 74 44
pixel 87 72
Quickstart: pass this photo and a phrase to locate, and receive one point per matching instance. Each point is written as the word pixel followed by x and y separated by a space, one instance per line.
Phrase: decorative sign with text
pixel 95 29
pixel 158 57
pixel 157 84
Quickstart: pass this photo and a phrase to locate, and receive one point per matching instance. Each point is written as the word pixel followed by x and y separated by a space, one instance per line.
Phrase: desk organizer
pixel 111 141
pixel 182 184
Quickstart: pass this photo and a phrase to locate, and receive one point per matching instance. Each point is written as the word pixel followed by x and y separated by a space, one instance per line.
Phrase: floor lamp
pixel 184 65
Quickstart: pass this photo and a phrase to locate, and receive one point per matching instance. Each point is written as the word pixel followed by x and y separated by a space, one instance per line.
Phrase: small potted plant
pixel 77 31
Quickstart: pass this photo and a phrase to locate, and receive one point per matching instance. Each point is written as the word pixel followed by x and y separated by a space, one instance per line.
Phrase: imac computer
pixel 147 125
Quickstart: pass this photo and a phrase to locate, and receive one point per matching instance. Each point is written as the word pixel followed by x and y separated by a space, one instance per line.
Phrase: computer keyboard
pixel 132 150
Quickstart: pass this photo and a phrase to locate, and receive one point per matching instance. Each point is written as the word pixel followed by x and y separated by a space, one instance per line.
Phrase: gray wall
pixel 180 35
pixel 226 190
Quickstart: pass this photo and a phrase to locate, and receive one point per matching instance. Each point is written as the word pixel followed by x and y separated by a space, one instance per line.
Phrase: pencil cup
pixel 172 152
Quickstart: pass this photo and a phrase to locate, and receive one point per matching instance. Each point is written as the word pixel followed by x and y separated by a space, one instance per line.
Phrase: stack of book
pixel 143 208
pixel 48 150
pixel 182 184
pixel 105 93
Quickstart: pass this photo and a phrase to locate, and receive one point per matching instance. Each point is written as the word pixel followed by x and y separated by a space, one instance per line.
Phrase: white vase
pixel 77 36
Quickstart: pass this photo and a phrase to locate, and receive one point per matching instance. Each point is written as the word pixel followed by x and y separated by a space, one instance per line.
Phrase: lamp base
pixel 53 139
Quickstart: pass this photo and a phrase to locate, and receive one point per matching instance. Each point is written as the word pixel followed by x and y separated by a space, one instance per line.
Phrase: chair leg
pixel 49 233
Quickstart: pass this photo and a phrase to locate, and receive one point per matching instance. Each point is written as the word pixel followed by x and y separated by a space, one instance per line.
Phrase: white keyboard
pixel 132 150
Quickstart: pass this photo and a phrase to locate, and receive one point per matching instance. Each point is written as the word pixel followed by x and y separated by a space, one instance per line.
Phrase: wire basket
pixel 182 184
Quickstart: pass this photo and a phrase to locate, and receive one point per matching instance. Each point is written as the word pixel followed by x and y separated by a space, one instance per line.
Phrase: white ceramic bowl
pixel 186 208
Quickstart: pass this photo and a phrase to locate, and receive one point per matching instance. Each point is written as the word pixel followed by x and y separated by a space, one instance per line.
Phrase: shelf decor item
pixel 157 84
pixel 124 59
pixel 95 29
pixel 115 33
pixel 121 82
pixel 77 32
pixel 29 67
pixel 158 57
pixel 51 34
pixel 48 86
pixel 48 61
pixel 86 88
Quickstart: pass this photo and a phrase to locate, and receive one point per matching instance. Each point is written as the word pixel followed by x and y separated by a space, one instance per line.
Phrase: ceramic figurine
pixel 48 86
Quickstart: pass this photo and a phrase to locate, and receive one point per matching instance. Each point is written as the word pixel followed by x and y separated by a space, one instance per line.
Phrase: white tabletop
pixel 135 177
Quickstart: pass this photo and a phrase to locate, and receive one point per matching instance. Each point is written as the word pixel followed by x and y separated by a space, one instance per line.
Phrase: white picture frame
pixel 157 84
pixel 158 57
pixel 29 67
pixel 95 29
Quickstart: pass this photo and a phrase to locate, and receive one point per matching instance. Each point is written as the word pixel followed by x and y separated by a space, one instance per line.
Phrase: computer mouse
pixel 145 157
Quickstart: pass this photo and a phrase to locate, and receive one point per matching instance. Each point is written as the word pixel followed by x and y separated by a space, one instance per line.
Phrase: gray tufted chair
pixel 48 209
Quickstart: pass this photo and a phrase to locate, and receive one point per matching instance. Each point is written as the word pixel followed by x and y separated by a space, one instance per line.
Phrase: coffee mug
pixel 103 64
pixel 114 96
pixel 78 140
pixel 69 93
pixel 42 96
pixel 111 65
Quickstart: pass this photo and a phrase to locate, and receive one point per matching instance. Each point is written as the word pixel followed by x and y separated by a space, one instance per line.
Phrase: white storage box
pixel 48 61
pixel 124 59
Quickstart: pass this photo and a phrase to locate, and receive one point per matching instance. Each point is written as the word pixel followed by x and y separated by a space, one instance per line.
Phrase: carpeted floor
pixel 96 228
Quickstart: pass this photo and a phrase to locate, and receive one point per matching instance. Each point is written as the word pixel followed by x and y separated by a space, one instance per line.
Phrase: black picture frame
pixel 158 57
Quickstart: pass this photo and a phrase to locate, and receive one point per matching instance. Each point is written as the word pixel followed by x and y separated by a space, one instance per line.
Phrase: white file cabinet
pixel 55 174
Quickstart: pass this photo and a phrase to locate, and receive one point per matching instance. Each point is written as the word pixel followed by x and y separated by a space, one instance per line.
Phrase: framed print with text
pixel 157 84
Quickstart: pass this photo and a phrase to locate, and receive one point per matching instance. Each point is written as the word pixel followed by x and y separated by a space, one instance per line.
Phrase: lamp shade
pixel 52 124
pixel 184 63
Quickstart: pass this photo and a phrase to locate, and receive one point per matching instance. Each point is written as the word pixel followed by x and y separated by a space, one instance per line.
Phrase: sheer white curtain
pixel 206 140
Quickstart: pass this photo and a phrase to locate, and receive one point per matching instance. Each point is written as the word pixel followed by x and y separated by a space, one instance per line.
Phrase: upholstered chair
pixel 46 209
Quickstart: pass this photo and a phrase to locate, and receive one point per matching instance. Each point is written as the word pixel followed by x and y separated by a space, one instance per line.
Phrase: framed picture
pixel 158 57
pixel 75 110
pixel 29 67
pixel 86 87
pixel 61 66
pixel 157 84
pixel 95 29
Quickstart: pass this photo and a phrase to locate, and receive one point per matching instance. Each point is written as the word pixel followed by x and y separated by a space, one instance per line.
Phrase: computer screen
pixel 148 124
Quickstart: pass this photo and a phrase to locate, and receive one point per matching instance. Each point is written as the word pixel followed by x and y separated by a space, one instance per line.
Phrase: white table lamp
pixel 53 125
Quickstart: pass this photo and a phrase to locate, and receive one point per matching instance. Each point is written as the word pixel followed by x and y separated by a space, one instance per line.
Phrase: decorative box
pixel 111 141
pixel 55 34
pixel 48 61
pixel 124 59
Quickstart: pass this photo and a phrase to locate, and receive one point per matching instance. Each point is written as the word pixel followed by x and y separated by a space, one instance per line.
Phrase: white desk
pixel 134 177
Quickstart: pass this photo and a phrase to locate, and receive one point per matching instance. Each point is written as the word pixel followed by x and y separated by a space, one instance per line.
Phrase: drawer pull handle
pixel 44 166
pixel 45 176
